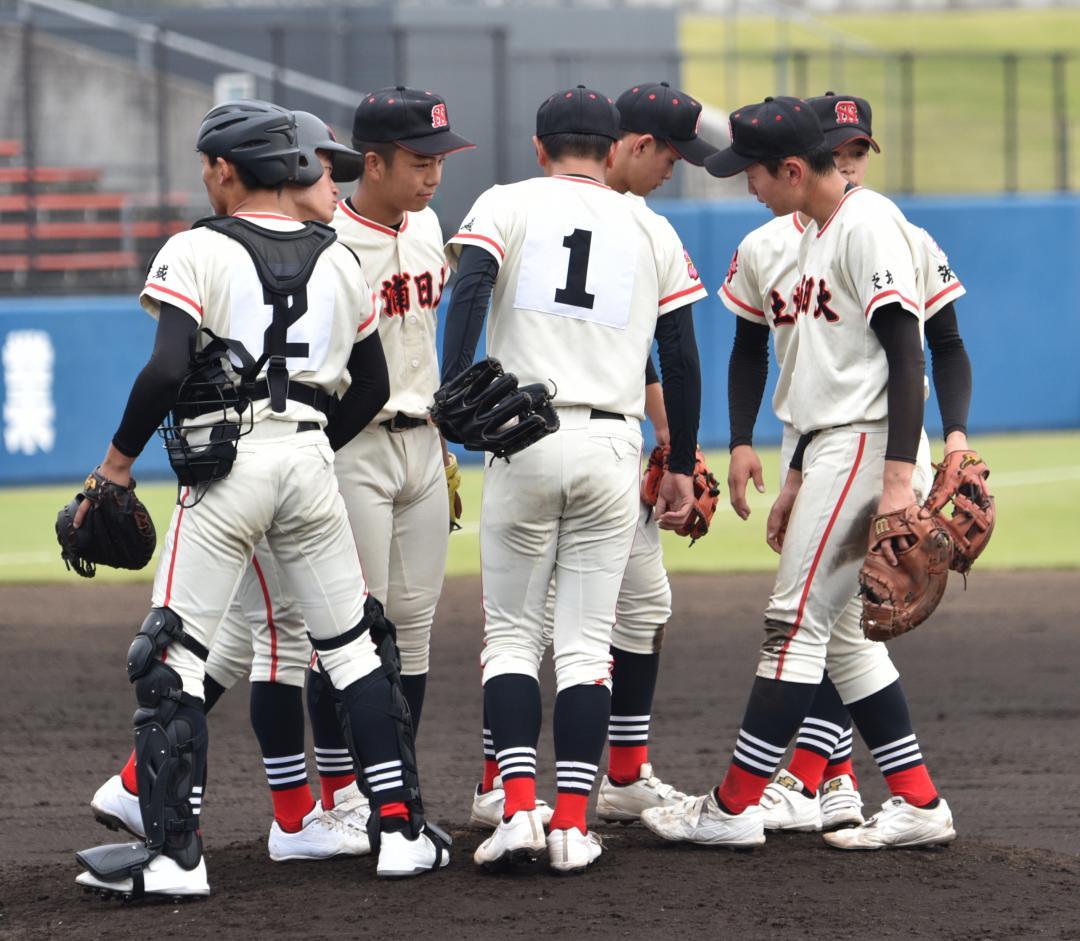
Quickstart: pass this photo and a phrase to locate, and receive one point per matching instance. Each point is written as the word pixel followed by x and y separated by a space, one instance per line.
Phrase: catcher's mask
pixel 211 414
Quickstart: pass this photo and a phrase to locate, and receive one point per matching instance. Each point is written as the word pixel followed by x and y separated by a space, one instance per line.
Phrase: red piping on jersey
pixel 265 215
pixel 742 304
pixel 798 224
pixel 175 543
pixel 150 286
pixel 878 297
pixel 682 293
pixel 942 293
pixel 269 619
pixel 374 311
pixel 843 199
pixel 817 556
pixel 385 229
pixel 481 238
pixel 580 179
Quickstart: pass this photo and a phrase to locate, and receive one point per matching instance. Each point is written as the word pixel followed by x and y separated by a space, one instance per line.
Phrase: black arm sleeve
pixel 898 333
pixel 748 371
pixel 952 369
pixel 681 369
pixel 367 393
pixel 651 378
pixel 476 274
pixel 154 391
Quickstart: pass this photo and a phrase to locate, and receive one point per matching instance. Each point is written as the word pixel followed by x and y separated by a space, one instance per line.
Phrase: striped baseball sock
pixel 840 762
pixel 633 685
pixel 884 723
pixel 491 766
pixel 512 704
pixel 818 736
pixel 332 757
pixel 773 713
pixel 277 716
pixel 581 717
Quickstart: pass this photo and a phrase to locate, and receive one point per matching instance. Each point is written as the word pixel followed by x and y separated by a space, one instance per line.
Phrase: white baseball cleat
pixel 841 804
pixel 161 876
pixel 785 806
pixel 320 836
pixel 624 803
pixel 700 820
pixel 517 840
pixel 351 808
pixel 400 857
pixel 571 851
pixel 898 824
pixel 487 808
pixel 115 807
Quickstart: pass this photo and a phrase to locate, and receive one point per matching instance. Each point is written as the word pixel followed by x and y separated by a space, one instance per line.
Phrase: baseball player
pixel 856 399
pixel 263 633
pixel 253 460
pixel 581 279
pixel 758 290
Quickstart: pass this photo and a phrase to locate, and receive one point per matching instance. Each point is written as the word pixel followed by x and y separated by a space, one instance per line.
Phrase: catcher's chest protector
pixel 284 262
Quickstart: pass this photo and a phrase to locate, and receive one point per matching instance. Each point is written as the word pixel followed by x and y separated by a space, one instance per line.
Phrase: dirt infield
pixel 992 682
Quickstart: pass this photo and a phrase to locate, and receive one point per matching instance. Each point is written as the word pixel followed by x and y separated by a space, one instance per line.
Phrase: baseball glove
pixel 897 598
pixel 961 481
pixel 484 409
pixel 706 491
pixel 453 484
pixel 117 531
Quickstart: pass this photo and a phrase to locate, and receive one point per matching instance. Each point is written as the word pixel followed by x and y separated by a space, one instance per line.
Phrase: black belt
pixel 298 392
pixel 403 422
pixel 610 416
pixel 302 426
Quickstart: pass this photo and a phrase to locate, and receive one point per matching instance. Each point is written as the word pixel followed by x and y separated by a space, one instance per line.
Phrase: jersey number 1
pixel 574 294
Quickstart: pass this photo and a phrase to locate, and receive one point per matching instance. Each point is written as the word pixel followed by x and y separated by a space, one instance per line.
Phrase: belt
pixel 403 422
pixel 298 392
pixel 609 416
pixel 303 426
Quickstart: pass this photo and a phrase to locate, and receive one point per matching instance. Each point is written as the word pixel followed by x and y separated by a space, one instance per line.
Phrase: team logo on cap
pixel 438 116
pixel 847 112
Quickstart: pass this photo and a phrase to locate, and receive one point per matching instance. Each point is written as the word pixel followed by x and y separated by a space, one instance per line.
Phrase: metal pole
pixel 907 112
pixel 29 139
pixel 801 67
pixel 401 53
pixel 1061 122
pixel 277 57
pixel 501 103
pixel 780 60
pixel 161 106
pixel 731 80
pixel 1011 131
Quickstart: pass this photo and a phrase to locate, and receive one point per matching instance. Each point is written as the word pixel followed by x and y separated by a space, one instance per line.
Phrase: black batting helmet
pixel 256 135
pixel 313 134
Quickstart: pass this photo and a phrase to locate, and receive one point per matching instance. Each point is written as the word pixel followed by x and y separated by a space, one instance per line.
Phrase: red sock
pixel 837 768
pixel 569 811
pixel 397 809
pixel 291 805
pixel 740 789
pixel 127 775
pixel 809 767
pixel 520 795
pixel 329 785
pixel 491 771
pixel 912 784
pixel 625 761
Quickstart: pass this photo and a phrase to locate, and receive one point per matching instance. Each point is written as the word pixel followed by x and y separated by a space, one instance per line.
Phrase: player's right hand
pixel 744 465
pixel 776 525
pixel 675 500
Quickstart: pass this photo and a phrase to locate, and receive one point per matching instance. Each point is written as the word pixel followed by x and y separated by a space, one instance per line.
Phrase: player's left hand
pixel 892 500
pixel 453 484
pixel 675 500
pixel 743 466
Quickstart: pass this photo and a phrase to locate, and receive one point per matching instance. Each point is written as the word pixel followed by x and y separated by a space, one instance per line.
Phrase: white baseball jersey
pixel 211 277
pixel 584 275
pixel 863 258
pixel 407 270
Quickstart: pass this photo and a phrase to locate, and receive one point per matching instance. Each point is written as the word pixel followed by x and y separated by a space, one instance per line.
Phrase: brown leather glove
pixel 961 481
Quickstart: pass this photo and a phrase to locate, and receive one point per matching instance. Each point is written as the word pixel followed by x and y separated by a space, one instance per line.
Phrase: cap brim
pixel 345 163
pixel 842 135
pixel 695 150
pixel 436 145
pixel 726 163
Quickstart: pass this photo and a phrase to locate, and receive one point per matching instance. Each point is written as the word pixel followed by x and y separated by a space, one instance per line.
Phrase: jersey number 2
pixel 577 270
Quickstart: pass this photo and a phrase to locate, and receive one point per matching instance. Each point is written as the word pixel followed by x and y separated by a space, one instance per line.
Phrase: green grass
pixel 1035 477
pixel 958 118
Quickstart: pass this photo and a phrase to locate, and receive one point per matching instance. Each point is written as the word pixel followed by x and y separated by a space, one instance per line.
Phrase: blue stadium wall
pixel 1019 259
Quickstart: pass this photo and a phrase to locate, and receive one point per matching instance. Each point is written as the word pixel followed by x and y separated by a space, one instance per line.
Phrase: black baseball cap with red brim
pixel 844 118
pixel 413 119
pixel 669 115
pixel 777 128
